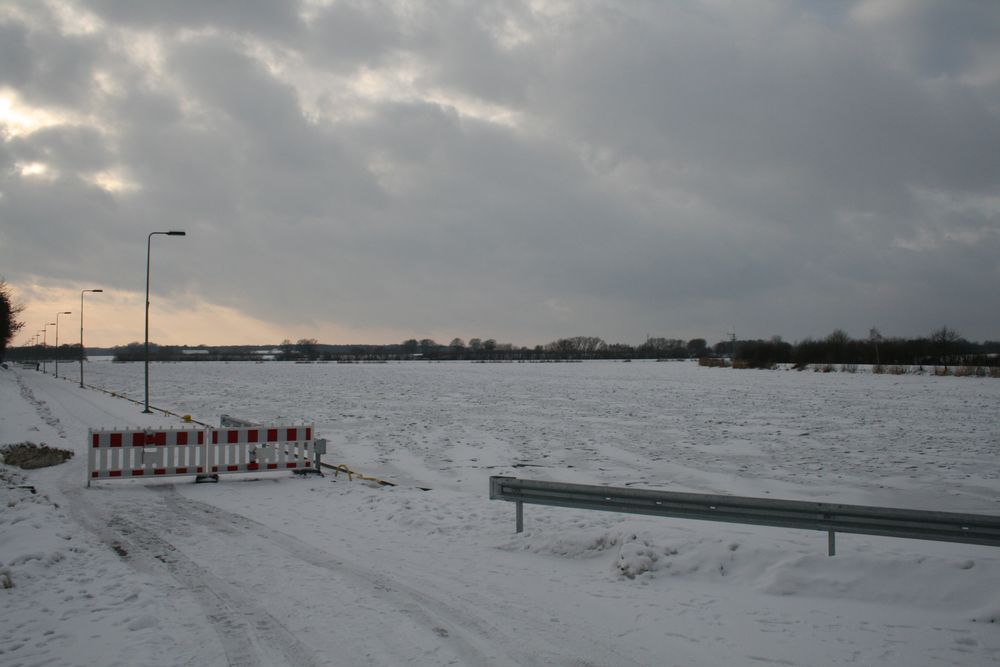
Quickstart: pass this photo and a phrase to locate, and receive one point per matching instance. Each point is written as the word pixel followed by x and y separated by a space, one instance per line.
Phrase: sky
pixel 368 172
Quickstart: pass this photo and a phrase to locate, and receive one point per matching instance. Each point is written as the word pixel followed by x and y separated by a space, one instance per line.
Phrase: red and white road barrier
pixel 260 448
pixel 130 453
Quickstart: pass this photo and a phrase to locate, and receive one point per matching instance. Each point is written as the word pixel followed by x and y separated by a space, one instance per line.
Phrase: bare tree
pixel 307 347
pixel 9 324
pixel 875 337
pixel 696 347
pixel 944 340
pixel 837 343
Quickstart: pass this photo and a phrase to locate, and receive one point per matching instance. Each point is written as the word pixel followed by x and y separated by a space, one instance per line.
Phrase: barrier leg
pixel 519 513
pixel 831 543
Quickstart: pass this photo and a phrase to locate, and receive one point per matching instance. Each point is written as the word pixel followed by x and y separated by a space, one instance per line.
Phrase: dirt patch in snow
pixel 28 455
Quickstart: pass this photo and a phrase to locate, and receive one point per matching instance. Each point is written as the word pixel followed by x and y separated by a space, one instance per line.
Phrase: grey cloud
pixel 462 51
pixel 65 148
pixel 291 156
pixel 59 225
pixel 254 17
pixel 348 35
pixel 46 66
pixel 15 56
pixel 932 38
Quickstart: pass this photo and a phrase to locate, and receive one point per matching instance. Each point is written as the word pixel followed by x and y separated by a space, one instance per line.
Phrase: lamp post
pixel 45 344
pixel 65 312
pixel 149 242
pixel 81 331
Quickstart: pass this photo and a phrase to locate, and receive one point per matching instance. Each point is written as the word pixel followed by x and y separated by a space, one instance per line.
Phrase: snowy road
pixel 269 597
pixel 282 570
pixel 236 570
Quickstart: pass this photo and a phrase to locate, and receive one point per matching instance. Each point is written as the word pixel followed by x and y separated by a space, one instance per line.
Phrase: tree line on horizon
pixel 942 347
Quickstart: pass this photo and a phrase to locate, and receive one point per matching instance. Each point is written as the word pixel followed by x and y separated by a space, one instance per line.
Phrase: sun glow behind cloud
pixel 112 181
pixel 34 169
pixel 116 317
pixel 20 119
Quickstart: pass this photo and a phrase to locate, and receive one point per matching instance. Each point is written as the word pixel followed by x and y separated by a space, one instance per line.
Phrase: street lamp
pixel 149 241
pixel 65 312
pixel 81 331
pixel 45 344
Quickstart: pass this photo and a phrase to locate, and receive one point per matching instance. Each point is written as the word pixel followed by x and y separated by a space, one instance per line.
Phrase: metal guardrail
pixel 830 518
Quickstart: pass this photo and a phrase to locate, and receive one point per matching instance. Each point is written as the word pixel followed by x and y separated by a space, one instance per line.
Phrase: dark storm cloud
pixel 609 169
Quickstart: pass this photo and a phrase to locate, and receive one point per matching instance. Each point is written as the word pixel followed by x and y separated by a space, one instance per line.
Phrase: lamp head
pixel 176 232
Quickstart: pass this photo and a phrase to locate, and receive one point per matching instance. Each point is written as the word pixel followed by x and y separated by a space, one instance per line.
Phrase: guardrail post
pixel 831 543
pixel 519 513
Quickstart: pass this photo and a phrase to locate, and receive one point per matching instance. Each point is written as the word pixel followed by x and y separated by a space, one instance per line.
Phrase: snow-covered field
pixel 278 570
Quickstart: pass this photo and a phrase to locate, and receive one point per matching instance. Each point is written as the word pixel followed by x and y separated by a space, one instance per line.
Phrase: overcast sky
pixel 524 171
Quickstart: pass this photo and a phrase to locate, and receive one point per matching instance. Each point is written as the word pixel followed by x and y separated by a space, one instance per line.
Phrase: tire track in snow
pixel 248 634
pixel 467 636
pixel 153 536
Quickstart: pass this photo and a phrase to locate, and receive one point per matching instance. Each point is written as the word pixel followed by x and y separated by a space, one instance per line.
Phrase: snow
pixel 281 570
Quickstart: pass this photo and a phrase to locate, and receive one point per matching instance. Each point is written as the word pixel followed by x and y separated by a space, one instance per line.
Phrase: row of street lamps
pixel 42 332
